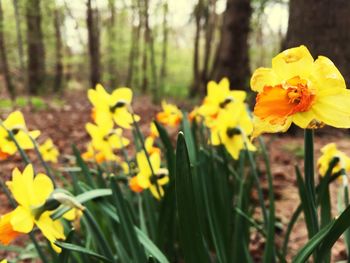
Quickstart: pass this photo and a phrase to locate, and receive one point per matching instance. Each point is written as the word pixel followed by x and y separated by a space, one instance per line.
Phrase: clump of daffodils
pixel 15 125
pixel 31 191
pixel 329 152
pixel 110 113
pixel 226 115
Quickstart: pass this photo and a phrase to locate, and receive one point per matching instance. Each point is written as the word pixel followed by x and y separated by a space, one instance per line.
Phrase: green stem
pixel 41 159
pixel 309 164
pixel 309 174
pixel 269 253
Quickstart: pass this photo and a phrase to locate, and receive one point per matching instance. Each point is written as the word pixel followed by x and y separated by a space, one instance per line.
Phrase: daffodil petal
pixel 263 77
pixel 293 62
pixel 22 220
pixel 334 110
pixel 42 187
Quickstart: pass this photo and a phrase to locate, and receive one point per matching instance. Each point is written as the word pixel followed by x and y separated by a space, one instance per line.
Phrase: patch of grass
pixel 5 104
pixel 295 149
pixel 21 102
pixel 38 103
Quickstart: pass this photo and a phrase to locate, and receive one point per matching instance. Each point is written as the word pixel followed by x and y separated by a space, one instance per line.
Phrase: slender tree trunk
pixel 111 45
pixel 145 50
pixel 19 43
pixel 323 26
pixel 163 69
pixel 233 57
pixel 36 50
pixel 59 53
pixel 134 47
pixel 5 68
pixel 150 45
pixel 94 44
pixel 195 87
pixel 210 27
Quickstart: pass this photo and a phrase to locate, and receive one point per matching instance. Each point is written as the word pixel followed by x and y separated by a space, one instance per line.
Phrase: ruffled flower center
pixel 283 100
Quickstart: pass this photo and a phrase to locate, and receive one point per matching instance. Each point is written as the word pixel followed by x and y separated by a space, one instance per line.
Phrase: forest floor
pixel 65 124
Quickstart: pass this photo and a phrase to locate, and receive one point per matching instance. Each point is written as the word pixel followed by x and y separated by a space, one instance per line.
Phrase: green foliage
pixel 206 214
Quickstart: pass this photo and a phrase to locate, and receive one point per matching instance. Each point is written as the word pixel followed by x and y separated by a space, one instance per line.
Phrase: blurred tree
pixel 148 50
pixel 36 50
pixel 163 68
pixel 232 57
pixel 111 29
pixel 134 52
pixel 323 26
pixel 19 42
pixel 195 89
pixel 4 63
pixel 94 43
pixel 59 52
pixel 210 24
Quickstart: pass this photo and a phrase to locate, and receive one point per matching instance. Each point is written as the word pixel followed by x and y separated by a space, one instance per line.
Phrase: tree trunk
pixel 145 51
pixel 59 53
pixel 209 32
pixel 134 48
pixel 195 88
pixel 94 44
pixel 322 26
pixel 233 58
pixel 19 43
pixel 163 69
pixel 150 44
pixel 36 50
pixel 5 68
pixel 112 72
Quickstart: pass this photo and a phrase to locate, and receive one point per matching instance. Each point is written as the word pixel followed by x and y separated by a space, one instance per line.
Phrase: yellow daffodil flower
pixel 49 151
pixel 145 178
pixel 329 152
pixel 300 90
pixel 15 123
pixel 30 193
pixel 171 114
pixel 109 107
pixel 134 186
pixel 219 96
pixel 233 126
pixel 149 145
pixel 105 139
pixel 153 130
pixel 93 155
pixel 3 261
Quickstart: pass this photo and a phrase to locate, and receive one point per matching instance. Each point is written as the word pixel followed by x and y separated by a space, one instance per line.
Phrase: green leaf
pixel 127 226
pixel 82 198
pixel 311 246
pixel 82 250
pixel 81 163
pixel 308 208
pixel 214 207
pixel 143 238
pixel 325 238
pixel 187 132
pixel 98 235
pixel 269 252
pixel 191 239
pixel 64 255
pixel 169 149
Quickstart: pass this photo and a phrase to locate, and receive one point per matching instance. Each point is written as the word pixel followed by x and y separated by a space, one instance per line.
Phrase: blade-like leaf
pixel 191 239
pixel 79 249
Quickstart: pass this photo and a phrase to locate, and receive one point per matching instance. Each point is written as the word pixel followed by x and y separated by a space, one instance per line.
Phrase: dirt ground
pixel 65 125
